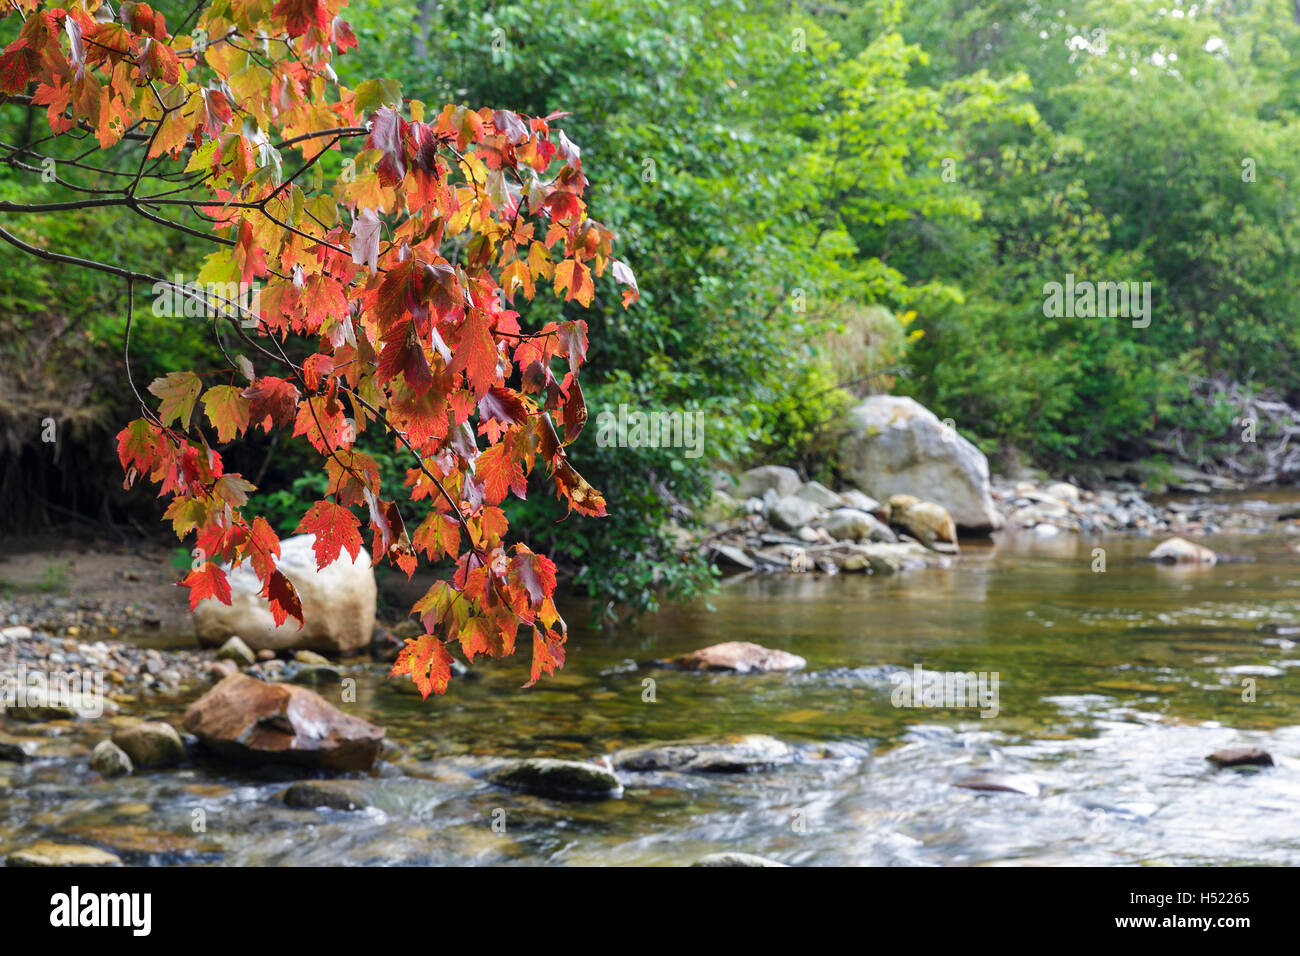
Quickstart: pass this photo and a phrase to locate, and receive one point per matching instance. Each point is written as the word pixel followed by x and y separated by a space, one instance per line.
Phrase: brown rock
pixel 1241 757
pixel 928 522
pixel 246 719
pixel 739 656
pixel 218 671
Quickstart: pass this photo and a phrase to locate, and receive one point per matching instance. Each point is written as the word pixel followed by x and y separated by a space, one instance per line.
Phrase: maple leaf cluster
pixel 401 270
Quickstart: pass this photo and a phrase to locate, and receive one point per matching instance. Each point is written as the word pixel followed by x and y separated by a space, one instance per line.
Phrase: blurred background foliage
pixel 820 200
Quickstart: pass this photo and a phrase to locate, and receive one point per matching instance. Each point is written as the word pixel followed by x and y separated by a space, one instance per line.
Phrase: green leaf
pixel 178 391
pixel 374 93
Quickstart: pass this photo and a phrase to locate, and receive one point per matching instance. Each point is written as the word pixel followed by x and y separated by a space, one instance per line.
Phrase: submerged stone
pixel 45 853
pixel 741 753
pixel 334 794
pixel 559 778
pixel 738 656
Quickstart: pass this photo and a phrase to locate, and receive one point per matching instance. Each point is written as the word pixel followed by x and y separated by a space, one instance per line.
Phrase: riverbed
pixel 1113 686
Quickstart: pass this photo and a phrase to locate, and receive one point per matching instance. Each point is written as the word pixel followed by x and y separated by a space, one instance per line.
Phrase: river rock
pixel 1241 757
pixel 758 481
pixel 738 656
pixel 559 778
pixel 1182 551
pixel 315 674
pixel 237 652
pixel 151 744
pixel 17 751
pixel 868 562
pixel 856 499
pixel 1002 783
pixel 136 838
pixel 926 521
pixel 110 760
pixel 218 671
pixel 1063 491
pixel 899 446
pixel 334 794
pixel 793 513
pixel 39 713
pixel 246 719
pixel 819 495
pixel 338 604
pixel 850 524
pixel 740 753
pixel 725 555
pixel 61 854
pixel 736 859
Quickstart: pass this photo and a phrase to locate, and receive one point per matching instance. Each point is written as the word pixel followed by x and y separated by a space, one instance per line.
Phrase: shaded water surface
pixel 1113 687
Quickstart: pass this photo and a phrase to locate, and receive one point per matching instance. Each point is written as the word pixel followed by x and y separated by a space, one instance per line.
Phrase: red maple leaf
pixel 548 654
pixel 387 134
pixel 535 573
pixel 274 401
pixel 209 581
pixel 500 472
pixel 476 354
pixel 322 297
pixel 336 529
pixel 301 15
pixel 283 598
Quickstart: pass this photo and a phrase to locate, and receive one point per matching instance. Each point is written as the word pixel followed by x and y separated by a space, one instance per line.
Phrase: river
pixel 1113 687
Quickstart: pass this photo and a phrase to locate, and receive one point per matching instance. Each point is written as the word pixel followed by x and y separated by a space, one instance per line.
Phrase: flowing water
pixel 1112 688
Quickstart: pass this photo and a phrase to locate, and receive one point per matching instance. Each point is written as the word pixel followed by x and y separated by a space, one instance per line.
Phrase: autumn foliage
pixel 392 238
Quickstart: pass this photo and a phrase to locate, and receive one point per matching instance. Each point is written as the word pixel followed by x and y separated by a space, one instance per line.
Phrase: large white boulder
pixel 338 605
pixel 898 446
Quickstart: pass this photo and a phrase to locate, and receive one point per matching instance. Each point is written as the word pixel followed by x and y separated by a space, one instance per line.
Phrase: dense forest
pixel 820 201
